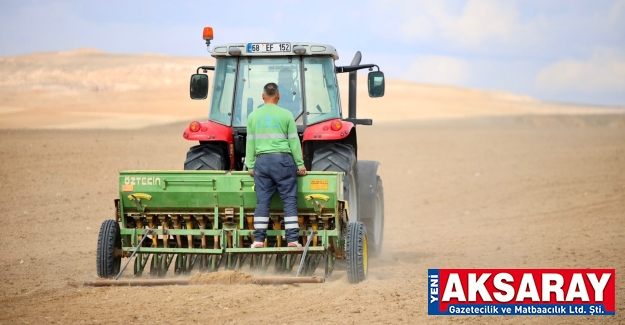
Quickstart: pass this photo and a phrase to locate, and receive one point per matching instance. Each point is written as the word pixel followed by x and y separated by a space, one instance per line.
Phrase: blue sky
pixel 567 51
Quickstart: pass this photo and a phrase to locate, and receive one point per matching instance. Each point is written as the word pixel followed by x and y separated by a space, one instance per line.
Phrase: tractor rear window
pixel 223 90
pixel 321 89
pixel 255 73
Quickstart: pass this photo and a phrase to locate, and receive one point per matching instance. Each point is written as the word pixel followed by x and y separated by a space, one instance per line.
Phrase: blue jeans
pixel 275 172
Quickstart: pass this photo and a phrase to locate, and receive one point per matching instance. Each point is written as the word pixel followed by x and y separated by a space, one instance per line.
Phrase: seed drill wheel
pixel 338 157
pixel 206 156
pixel 356 252
pixel 108 258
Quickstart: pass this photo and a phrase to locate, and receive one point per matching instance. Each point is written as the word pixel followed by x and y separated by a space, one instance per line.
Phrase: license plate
pixel 268 47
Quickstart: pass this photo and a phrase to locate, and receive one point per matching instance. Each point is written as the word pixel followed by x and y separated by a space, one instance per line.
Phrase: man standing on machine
pixel 274 158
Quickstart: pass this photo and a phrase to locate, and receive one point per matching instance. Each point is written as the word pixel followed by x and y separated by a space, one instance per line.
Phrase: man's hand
pixel 301 171
pixel 251 172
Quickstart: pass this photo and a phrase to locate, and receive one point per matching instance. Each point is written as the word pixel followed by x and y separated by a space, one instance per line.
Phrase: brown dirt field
pixel 507 192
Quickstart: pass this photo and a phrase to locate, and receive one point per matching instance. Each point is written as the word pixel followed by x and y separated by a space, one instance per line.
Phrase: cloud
pixel 439 70
pixel 470 25
pixel 518 29
pixel 616 13
pixel 482 20
pixel 604 72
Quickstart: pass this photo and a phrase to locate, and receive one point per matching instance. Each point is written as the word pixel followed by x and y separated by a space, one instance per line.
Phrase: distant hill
pixel 87 88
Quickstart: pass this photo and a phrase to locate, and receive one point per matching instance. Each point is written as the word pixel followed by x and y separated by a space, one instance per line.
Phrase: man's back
pixel 269 127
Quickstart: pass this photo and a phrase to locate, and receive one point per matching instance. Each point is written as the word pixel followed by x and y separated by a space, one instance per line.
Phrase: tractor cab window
pixel 254 74
pixel 223 90
pixel 321 89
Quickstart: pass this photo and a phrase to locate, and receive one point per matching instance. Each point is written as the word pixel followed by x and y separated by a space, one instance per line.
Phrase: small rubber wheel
pixel 109 239
pixel 356 252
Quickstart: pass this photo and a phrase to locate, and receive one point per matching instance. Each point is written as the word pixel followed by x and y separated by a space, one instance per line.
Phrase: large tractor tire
pixel 206 156
pixel 107 261
pixel 371 201
pixel 356 252
pixel 374 219
pixel 338 157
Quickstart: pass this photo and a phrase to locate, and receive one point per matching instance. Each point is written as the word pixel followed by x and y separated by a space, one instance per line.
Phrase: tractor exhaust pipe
pixel 184 282
pixel 352 87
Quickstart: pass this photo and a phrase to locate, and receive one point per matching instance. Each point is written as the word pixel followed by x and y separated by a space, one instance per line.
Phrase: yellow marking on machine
pixel 318 197
pixel 319 184
pixel 128 188
pixel 132 197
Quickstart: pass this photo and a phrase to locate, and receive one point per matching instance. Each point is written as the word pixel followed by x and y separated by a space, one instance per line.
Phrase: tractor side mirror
pixel 199 86
pixel 376 83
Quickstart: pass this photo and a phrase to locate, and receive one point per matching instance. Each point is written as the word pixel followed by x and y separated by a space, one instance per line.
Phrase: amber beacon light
pixel 208 33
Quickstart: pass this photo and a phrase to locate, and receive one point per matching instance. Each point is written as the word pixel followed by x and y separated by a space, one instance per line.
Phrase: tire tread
pixel 108 238
pixel 354 242
pixel 206 156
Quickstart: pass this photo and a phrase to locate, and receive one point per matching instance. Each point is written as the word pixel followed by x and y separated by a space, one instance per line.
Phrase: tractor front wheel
pixel 356 252
pixel 108 258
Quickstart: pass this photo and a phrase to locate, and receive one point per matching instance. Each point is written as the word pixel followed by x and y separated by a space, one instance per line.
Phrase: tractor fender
pixel 210 131
pixel 213 132
pixel 324 131
pixel 367 182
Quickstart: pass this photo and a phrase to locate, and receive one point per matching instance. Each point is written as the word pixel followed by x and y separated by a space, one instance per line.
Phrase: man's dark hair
pixel 271 89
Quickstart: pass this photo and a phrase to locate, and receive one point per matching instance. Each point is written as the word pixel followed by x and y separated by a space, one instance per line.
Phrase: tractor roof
pixel 272 49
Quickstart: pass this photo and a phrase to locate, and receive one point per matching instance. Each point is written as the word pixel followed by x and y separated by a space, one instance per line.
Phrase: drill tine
pixel 301 262
pixel 133 253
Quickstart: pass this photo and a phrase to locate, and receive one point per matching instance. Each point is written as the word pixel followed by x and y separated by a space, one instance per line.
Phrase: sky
pixel 570 51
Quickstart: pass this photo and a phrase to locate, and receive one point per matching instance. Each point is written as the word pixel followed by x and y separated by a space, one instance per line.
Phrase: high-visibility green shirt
pixel 271 129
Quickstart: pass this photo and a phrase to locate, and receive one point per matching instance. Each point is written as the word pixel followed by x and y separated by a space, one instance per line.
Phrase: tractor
pixel 307 77
pixel 202 217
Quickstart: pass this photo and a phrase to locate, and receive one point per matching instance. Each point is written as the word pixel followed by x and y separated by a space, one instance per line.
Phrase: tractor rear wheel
pixel 356 252
pixel 206 156
pixel 375 224
pixel 338 157
pixel 109 240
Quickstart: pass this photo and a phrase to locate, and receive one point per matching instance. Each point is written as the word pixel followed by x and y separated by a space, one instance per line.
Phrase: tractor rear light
pixel 208 33
pixel 195 126
pixel 336 125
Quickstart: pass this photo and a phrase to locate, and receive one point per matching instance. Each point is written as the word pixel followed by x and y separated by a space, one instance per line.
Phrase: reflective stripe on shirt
pixel 271 136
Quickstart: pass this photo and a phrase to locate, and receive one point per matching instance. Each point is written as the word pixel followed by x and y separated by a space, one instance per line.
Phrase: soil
pixel 506 192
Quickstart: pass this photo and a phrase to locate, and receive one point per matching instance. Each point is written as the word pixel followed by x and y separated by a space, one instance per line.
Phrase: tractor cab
pixel 304 72
pixel 307 84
